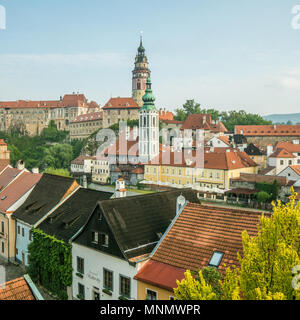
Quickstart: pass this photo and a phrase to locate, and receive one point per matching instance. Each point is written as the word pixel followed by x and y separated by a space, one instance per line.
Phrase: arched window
pixel 139 86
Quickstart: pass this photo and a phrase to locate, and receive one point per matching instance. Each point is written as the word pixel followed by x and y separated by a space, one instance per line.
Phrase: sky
pixel 228 55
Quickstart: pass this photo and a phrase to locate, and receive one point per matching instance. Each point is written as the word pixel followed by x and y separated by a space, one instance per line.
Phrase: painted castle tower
pixel 140 74
pixel 148 126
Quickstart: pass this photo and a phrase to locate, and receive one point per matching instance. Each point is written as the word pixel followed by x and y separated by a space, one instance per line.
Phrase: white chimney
pixel 211 149
pixel 269 150
pixel 84 182
pixel 204 119
pixel 35 170
pixel 20 165
pixel 120 188
pixel 180 203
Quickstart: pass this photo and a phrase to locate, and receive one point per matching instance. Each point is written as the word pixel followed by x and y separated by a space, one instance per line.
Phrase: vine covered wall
pixel 50 263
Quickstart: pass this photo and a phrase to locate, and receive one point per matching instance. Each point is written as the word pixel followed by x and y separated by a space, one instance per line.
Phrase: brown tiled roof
pixel 212 160
pixel 7 176
pixel 281 153
pixel 88 117
pixel 16 289
pixel 260 178
pixel 22 184
pixel 69 100
pixel 200 230
pixel 172 121
pixel 197 121
pixel 202 121
pixel 266 170
pixel 80 159
pixel 296 168
pixel 165 115
pixel 288 146
pixel 268 130
pixel 160 274
pixel 121 103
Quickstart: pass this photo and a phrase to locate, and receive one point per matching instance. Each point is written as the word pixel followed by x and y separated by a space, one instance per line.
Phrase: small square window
pixel 151 295
pixel 216 259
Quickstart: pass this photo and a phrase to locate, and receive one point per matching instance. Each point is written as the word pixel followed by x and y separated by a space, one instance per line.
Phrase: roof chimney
pixel 120 188
pixel 35 170
pixel 20 165
pixel 180 203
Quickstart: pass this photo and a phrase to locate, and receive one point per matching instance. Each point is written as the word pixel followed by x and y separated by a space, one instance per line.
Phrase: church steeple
pixel 148 126
pixel 140 74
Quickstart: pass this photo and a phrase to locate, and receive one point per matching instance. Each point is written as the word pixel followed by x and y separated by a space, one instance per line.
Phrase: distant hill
pixel 284 118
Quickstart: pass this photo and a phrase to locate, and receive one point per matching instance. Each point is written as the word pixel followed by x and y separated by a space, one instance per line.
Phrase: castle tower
pixel 140 74
pixel 148 126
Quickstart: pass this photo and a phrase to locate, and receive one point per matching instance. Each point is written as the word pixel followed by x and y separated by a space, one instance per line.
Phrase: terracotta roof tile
pixel 165 115
pixel 268 130
pixel 121 103
pixel 196 234
pixel 88 117
pixel 16 289
pixel 281 153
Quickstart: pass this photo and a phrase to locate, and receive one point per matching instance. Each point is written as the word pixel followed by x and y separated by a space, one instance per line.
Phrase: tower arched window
pixel 139 86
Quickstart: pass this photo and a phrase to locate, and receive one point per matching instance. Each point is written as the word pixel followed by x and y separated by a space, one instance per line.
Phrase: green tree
pixel 59 156
pixel 266 264
pixel 190 107
pixel 263 196
pixel 192 288
pixel 265 271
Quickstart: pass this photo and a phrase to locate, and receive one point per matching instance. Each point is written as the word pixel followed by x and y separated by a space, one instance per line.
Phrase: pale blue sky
pixel 225 54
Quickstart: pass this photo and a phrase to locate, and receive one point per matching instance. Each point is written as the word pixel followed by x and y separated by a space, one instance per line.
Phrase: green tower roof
pixel 148 98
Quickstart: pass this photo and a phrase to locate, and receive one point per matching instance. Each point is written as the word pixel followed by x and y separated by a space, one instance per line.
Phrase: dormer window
pixel 95 237
pixel 104 239
pixel 216 259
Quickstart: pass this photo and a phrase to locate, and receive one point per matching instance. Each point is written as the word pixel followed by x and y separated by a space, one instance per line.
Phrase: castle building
pixel 32 117
pixel 140 74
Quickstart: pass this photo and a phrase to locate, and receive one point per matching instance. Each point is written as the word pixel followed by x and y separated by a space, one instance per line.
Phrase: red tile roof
pixel 268 130
pixel 69 100
pixel 121 103
pixel 202 121
pixel 89 117
pixel 218 159
pixel 7 176
pixel 296 168
pixel 281 153
pixel 165 115
pixel 80 159
pixel 288 146
pixel 16 289
pixel 22 184
pixel 160 274
pixel 191 241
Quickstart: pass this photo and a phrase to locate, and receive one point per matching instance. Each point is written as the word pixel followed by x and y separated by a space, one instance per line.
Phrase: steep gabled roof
pixel 282 153
pixel 8 175
pixel 72 215
pixel 138 222
pixel 197 233
pixel 19 187
pixel 47 193
pixel 289 146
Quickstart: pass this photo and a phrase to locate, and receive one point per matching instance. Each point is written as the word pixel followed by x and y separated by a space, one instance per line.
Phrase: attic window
pixel 216 259
pixel 4 197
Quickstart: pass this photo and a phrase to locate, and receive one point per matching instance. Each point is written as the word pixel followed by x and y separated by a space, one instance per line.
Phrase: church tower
pixel 139 75
pixel 148 126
